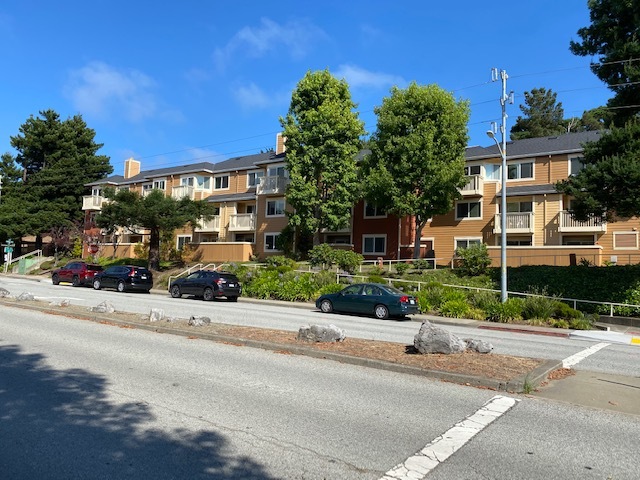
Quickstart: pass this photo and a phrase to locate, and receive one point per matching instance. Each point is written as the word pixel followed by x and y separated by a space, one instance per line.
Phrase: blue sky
pixel 170 83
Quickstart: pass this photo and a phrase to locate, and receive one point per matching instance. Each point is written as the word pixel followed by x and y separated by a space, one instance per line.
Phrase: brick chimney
pixel 280 146
pixel 131 168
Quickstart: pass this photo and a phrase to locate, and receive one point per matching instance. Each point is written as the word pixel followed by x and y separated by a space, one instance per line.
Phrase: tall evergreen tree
pixel 543 116
pixel 322 133
pixel 417 162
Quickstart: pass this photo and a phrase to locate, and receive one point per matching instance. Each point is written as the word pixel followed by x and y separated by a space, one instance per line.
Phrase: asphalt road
pixel 84 400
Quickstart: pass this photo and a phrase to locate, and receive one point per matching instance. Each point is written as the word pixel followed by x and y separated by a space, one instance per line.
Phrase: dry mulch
pixel 492 366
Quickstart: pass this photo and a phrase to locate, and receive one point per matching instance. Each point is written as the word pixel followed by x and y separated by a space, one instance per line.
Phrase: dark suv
pixel 208 284
pixel 123 278
pixel 76 273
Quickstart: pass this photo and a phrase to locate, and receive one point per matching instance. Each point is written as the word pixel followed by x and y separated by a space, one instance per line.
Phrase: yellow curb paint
pixel 635 340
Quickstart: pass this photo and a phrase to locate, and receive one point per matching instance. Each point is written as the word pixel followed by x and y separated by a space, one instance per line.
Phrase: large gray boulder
pixel 432 339
pixel 64 302
pixel 4 293
pixel 199 321
pixel 26 297
pixel 321 333
pixel 479 346
pixel 103 307
pixel 156 314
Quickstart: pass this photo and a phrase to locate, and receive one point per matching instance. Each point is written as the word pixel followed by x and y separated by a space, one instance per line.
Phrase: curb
pixel 516 385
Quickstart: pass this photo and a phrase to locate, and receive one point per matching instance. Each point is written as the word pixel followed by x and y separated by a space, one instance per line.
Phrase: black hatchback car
pixel 207 284
pixel 124 278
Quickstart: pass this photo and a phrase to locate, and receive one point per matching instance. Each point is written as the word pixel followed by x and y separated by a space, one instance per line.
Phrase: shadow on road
pixel 59 424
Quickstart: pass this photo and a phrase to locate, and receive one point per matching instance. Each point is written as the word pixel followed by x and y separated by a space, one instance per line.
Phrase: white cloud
pixel 251 96
pixel 296 38
pixel 100 90
pixel 359 77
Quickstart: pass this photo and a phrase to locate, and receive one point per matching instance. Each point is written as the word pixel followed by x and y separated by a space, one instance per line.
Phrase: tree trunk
pixel 416 238
pixel 154 250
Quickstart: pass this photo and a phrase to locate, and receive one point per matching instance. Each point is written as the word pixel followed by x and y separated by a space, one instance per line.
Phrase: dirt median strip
pixel 493 371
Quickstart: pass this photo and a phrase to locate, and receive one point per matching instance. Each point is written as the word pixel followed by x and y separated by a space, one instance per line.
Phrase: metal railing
pixel 188 271
pixel 26 262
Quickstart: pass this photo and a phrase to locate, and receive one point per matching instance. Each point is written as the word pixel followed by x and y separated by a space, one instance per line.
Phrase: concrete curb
pixel 516 385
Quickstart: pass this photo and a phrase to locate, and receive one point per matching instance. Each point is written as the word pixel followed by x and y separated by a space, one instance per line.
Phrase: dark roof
pixel 531 190
pixel 531 147
pixel 232 197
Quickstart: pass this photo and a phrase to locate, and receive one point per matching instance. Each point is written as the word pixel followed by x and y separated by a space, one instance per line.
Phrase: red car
pixel 76 273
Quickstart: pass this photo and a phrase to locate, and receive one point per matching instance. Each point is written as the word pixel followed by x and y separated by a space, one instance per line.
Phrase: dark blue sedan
pixel 381 301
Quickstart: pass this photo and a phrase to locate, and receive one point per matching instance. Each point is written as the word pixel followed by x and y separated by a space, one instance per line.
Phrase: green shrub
pixel 564 311
pixel 538 306
pixel 281 263
pixel 262 284
pixel 300 287
pixel 430 297
pixel 325 277
pixel 558 323
pixel 457 294
pixel 347 260
pixel 509 311
pixel 482 298
pixel 402 268
pixel 584 323
pixel 330 288
pixel 322 254
pixel 375 279
pixel 422 264
pixel 455 308
pixel 474 260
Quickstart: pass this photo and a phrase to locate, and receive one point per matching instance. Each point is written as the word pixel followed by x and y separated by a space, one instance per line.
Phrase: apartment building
pixel 249 195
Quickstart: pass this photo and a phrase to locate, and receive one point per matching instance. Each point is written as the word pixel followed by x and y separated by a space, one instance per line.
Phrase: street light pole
pixel 503 175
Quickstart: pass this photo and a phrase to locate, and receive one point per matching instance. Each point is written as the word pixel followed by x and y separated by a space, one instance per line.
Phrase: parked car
pixel 76 273
pixel 382 301
pixel 207 284
pixel 123 278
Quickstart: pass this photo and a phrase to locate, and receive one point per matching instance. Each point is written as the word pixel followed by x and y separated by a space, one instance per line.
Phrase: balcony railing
pixel 242 222
pixel 569 224
pixel 92 202
pixel 270 185
pixel 182 191
pixel 474 185
pixel 516 223
pixel 212 225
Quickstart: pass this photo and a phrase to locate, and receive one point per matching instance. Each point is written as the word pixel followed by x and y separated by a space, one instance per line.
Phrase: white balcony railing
pixel 182 191
pixel 569 224
pixel 92 202
pixel 516 223
pixel 273 184
pixel 242 222
pixel 474 185
pixel 212 225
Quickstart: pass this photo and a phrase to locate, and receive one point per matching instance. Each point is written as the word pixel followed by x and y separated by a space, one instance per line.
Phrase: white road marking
pixel 578 357
pixel 419 465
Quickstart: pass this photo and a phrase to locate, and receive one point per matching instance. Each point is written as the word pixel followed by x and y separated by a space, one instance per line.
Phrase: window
pixel 519 242
pixel 371 210
pixel 275 207
pixel 250 209
pixel 518 171
pixel 96 191
pixel 468 210
pixel 278 171
pixel 221 182
pixel 270 240
pixel 519 207
pixel 374 244
pixel 625 240
pixel 493 171
pixel 188 181
pixel 200 182
pixel 338 239
pixel 578 240
pixel 146 188
pixel 243 237
pixel 462 243
pixel 182 240
pixel 472 170
pixel 159 184
pixel 253 178
pixel 575 165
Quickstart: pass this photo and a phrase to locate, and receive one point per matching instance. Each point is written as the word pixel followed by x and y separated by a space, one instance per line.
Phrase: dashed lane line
pixel 419 465
pixel 578 357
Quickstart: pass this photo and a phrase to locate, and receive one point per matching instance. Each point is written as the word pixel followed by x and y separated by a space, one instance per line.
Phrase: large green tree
pixel 155 212
pixel 417 159
pixel 609 183
pixel 57 158
pixel 614 36
pixel 323 136
pixel 544 116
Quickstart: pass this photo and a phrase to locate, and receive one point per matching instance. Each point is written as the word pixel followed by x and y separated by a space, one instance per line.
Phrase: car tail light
pixel 132 272
pixel 218 281
pixel 404 299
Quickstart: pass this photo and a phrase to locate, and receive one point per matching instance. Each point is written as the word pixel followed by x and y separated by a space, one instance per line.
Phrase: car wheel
pixel 381 312
pixel 232 299
pixel 120 287
pixel 326 306
pixel 175 291
pixel 55 280
pixel 75 281
pixel 208 294
pixel 96 284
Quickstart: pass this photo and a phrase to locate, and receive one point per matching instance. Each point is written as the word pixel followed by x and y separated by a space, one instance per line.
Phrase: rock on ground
pixel 433 339
pixel 321 333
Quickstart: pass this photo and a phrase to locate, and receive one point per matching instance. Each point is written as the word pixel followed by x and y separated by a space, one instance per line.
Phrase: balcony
pixel 271 185
pixel 182 191
pixel 212 225
pixel 570 225
pixel 474 186
pixel 242 222
pixel 516 223
pixel 92 202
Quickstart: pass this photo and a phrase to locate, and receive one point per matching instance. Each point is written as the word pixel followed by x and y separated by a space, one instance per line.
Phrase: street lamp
pixel 503 213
